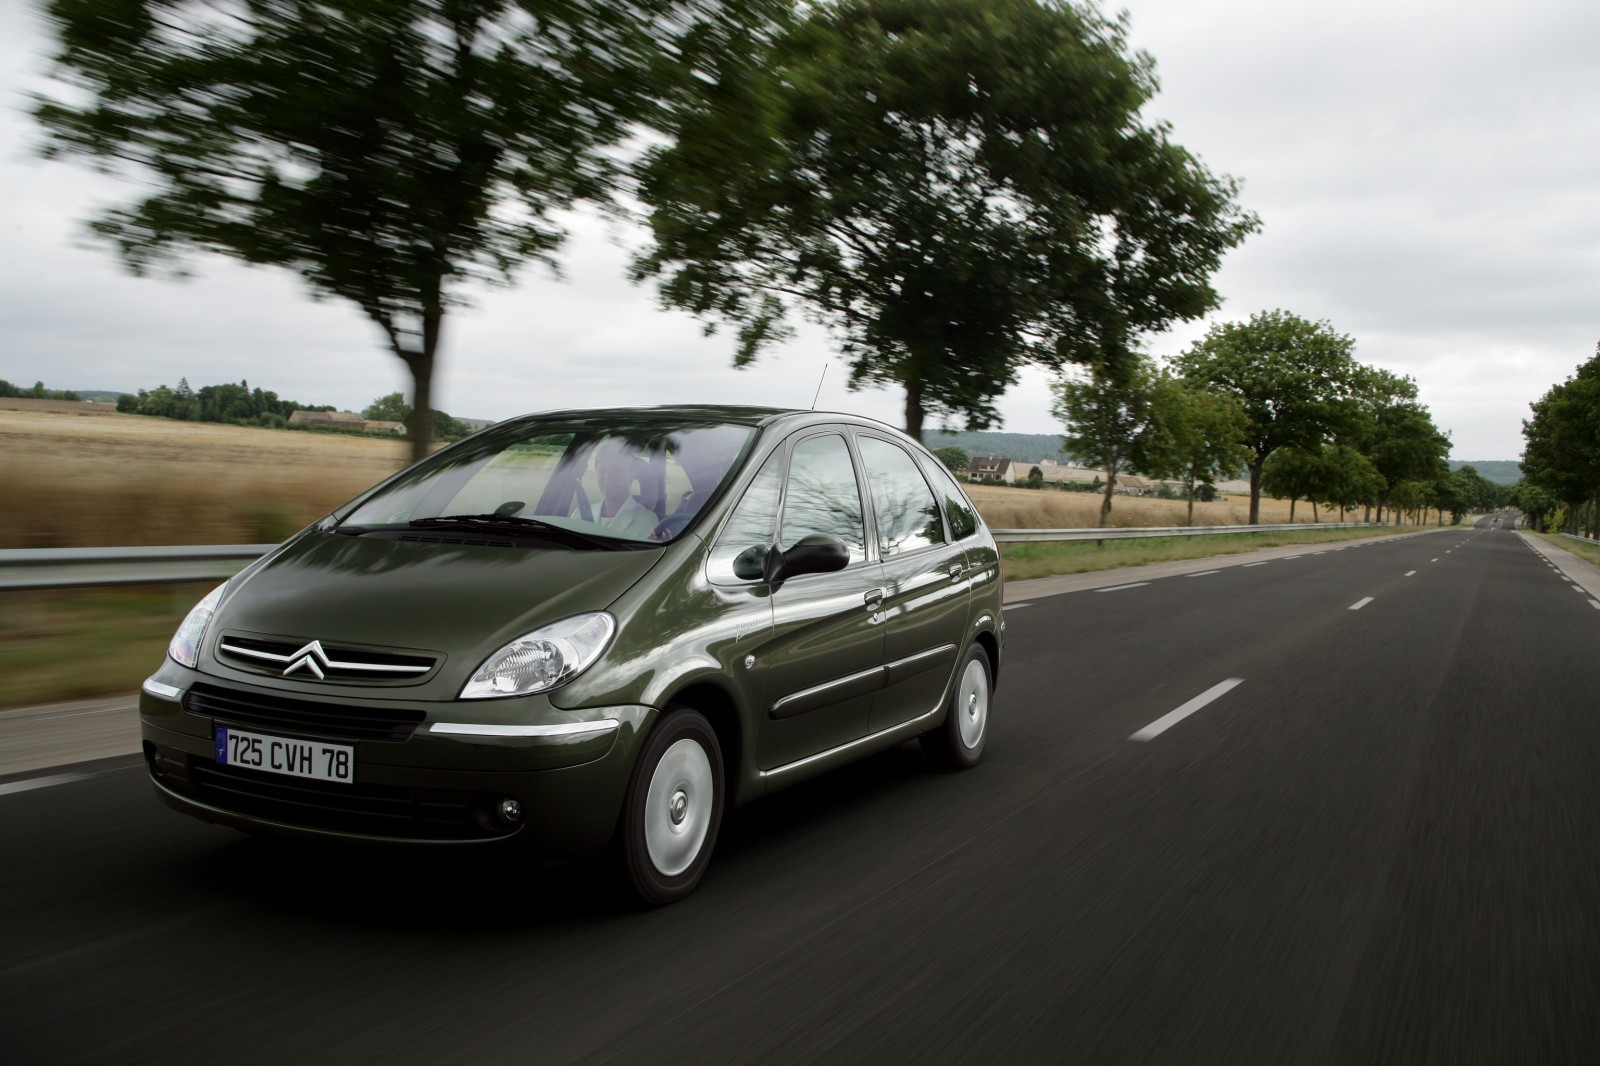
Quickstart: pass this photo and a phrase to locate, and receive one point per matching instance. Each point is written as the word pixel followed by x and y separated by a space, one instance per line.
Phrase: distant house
pixel 996 467
pixel 339 419
pixel 379 426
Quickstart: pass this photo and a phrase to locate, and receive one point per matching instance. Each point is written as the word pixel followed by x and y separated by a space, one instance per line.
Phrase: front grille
pixel 310 659
pixel 372 810
pixel 337 720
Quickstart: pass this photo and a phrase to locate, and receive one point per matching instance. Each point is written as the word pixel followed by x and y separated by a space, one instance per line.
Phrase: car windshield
pixel 577 480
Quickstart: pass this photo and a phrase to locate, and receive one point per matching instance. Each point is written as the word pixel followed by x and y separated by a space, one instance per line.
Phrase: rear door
pixel 927 592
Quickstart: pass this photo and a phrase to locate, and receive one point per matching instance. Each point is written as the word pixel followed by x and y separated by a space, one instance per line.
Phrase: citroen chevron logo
pixel 311 657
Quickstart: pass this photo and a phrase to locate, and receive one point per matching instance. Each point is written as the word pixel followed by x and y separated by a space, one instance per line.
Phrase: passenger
pixel 620 514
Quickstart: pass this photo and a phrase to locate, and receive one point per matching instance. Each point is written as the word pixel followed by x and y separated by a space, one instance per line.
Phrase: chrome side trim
pixel 160 691
pixel 816 690
pixel 559 729
pixel 931 653
pixel 906 726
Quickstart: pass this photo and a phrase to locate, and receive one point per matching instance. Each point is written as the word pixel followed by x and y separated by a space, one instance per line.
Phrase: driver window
pixel 750 526
pixel 823 496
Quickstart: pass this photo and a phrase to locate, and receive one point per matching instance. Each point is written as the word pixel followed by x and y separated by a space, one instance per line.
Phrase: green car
pixel 589 629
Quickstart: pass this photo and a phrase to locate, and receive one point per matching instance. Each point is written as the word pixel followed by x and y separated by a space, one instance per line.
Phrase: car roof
pixel 758 417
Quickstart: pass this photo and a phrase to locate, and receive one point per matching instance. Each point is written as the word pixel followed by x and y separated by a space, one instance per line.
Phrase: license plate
pixel 293 758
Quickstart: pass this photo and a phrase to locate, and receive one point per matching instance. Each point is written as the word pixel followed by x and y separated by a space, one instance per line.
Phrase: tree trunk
pixel 1191 505
pixel 1314 518
pixel 1255 490
pixel 419 426
pixel 1105 502
pixel 914 408
pixel 1292 501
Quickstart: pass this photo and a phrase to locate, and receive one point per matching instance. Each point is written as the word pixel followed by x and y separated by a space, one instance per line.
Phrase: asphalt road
pixel 1377 844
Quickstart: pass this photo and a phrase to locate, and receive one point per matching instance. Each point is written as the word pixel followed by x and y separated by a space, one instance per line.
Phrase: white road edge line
pixel 1119 588
pixel 1257 564
pixel 1410 572
pixel 1595 604
pixel 1203 573
pixel 1014 606
pixel 1172 718
pixel 40 782
pixel 1356 606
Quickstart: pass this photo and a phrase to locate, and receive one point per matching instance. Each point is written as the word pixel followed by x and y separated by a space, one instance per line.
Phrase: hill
pixel 1499 471
pixel 1023 447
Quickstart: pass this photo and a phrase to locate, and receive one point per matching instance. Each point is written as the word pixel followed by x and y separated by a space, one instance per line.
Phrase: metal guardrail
pixel 1582 540
pixel 54 568
pixel 1027 536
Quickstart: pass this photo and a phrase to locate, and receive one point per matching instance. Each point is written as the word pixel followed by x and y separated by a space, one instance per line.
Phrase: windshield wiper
pixel 518 524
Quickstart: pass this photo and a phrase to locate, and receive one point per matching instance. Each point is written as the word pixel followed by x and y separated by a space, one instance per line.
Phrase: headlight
pixel 185 646
pixel 543 659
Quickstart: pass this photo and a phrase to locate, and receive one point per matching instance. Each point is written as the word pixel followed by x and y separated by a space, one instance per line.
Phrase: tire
pixel 957 742
pixel 673 808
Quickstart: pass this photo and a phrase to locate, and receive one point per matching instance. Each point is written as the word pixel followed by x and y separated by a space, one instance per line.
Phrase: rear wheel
pixel 673 808
pixel 958 742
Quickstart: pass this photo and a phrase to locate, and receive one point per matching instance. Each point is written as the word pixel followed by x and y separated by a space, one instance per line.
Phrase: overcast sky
pixel 1427 175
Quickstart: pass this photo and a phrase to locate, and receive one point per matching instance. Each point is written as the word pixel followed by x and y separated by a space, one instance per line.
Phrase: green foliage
pixel 1113 421
pixel 953 187
pixel 1294 379
pixel 1562 455
pixel 388 153
pixel 1205 430
pixel 38 392
pixel 390 408
pixel 955 459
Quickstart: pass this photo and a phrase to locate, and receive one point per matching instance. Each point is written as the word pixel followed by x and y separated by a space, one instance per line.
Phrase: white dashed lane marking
pixel 1119 588
pixel 1356 606
pixel 1172 718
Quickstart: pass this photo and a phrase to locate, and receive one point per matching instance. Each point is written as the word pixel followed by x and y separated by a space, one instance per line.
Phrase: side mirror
pixel 750 564
pixel 816 554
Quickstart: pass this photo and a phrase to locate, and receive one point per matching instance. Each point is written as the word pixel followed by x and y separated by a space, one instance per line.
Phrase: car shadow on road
pixel 466 890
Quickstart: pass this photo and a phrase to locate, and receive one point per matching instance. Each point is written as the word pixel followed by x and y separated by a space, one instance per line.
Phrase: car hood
pixel 462 600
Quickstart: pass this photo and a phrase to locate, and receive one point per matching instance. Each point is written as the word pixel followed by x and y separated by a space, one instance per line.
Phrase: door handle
pixel 873 598
pixel 956 570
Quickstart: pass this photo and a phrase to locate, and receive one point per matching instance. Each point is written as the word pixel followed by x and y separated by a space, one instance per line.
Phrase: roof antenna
pixel 819 386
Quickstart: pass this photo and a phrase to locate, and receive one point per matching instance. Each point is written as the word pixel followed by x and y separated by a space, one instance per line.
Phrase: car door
pixel 927 593
pixel 823 661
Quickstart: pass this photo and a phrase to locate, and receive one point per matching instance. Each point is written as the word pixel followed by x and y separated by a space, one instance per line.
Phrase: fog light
pixel 158 766
pixel 510 811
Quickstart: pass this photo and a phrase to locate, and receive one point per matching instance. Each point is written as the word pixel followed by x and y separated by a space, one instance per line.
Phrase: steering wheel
pixel 670 526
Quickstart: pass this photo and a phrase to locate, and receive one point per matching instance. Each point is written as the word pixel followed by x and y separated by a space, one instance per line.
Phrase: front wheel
pixel 673 808
pixel 958 742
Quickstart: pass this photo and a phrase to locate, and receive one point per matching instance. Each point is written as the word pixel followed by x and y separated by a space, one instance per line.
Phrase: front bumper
pixel 442 783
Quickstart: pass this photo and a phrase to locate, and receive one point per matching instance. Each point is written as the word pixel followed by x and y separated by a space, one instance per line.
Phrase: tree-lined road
pixel 1334 807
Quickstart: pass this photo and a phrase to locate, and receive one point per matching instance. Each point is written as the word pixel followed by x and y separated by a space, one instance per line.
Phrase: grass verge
pixel 1589 553
pixel 1023 561
pixel 74 644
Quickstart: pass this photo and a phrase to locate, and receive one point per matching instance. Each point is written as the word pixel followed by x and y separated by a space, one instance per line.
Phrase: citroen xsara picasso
pixel 585 629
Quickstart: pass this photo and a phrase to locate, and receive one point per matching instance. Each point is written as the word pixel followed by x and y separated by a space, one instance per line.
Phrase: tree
pixel 390 408
pixel 1112 421
pixel 1206 430
pixel 1562 454
pixel 1293 378
pixel 955 459
pixel 1294 474
pixel 389 153
pixel 953 187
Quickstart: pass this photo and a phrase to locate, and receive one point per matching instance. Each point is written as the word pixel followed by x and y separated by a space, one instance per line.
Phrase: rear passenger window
pixel 907 513
pixel 963 522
